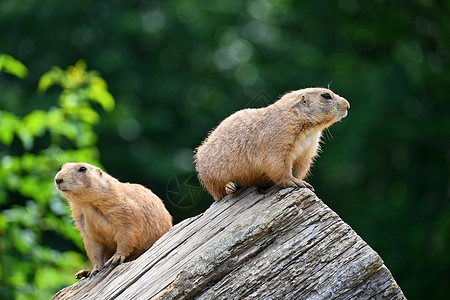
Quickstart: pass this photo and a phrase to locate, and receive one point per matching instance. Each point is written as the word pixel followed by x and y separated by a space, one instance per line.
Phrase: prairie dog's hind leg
pixel 231 187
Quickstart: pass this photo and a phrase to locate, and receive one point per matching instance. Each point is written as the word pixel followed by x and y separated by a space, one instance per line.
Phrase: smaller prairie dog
pixel 271 145
pixel 117 221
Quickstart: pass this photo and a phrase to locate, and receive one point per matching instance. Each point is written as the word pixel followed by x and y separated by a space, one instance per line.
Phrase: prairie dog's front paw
pixel 293 182
pixel 114 261
pixel 83 274
pixel 93 272
pixel 308 185
pixel 298 183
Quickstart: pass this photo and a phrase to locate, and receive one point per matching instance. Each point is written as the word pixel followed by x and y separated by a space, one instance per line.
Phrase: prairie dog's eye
pixel 326 96
pixel 82 169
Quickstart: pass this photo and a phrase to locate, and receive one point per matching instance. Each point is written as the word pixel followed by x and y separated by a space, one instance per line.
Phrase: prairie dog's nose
pixel 348 104
pixel 59 180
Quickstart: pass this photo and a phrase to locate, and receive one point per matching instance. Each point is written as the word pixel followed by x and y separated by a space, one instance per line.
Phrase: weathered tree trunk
pixel 282 244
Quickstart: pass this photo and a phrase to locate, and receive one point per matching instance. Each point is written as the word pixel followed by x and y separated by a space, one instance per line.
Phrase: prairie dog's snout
pixel 345 104
pixel 58 182
pixel 63 178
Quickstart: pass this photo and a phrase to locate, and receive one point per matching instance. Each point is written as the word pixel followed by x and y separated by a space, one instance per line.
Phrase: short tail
pixel 231 187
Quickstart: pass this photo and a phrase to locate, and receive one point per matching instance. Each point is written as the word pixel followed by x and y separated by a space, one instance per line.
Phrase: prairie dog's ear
pixel 99 171
pixel 302 101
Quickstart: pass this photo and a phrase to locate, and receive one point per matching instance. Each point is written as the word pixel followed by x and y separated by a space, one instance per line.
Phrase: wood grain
pixel 276 244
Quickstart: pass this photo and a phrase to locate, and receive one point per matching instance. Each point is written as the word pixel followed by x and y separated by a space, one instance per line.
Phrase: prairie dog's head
pixel 317 106
pixel 79 181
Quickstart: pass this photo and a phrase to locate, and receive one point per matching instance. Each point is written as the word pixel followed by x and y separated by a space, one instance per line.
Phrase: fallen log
pixel 276 244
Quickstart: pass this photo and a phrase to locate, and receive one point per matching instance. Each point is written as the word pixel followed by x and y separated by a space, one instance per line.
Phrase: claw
pixel 93 273
pixel 308 186
pixel 231 187
pixel 83 274
pixel 303 184
pixel 114 261
pixel 299 184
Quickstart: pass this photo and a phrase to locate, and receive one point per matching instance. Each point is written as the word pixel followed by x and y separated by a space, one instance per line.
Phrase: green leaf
pixel 70 100
pixel 8 125
pixel 69 130
pixel 75 76
pixel 86 139
pixel 98 93
pixel 9 164
pixel 35 122
pixel 25 136
pixel 89 115
pixel 3 223
pixel 12 66
pixel 52 77
pixel 86 114
pixel 55 118
pixel 45 82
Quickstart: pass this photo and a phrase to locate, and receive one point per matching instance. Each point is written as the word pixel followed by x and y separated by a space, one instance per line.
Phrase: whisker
pixel 329 135
pixel 329 84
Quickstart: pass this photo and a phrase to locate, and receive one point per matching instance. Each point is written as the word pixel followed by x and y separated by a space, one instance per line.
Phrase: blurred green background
pixel 177 68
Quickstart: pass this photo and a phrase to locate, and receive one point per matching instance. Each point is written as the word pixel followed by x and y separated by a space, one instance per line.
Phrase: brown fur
pixel 271 145
pixel 117 221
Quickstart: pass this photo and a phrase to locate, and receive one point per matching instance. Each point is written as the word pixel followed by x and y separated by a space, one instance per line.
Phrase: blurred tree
pixel 178 67
pixel 33 216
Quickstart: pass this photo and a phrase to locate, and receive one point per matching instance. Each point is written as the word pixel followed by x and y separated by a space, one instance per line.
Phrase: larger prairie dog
pixel 117 221
pixel 271 145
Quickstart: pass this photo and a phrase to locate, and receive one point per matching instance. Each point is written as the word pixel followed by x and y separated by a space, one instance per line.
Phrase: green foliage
pixel 78 86
pixel 32 211
pixel 12 66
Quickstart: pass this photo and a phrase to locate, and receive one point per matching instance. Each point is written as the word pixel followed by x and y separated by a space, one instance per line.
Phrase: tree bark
pixel 278 244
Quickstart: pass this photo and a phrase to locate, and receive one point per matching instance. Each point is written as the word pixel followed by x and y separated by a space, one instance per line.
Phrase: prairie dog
pixel 117 221
pixel 271 145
